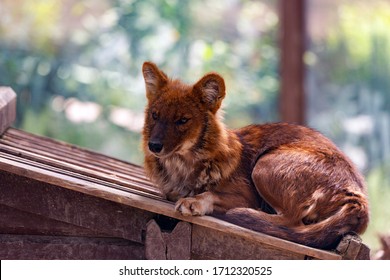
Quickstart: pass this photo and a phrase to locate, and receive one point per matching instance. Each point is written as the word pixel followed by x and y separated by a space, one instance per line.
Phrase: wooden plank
pixel 27 247
pixel 78 172
pixel 40 143
pixel 86 180
pixel 292 98
pixel 160 207
pixel 7 108
pixel 70 158
pixel 40 168
pixel 32 142
pixel 179 242
pixel 15 221
pixel 214 244
pixel 76 208
pixel 155 246
pixel 168 245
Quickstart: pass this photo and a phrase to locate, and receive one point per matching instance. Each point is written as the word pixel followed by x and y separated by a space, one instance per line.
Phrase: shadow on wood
pixel 58 201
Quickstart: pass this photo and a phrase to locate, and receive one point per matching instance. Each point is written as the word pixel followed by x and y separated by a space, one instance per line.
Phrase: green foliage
pixel 53 52
pixel 349 98
pixel 379 195
pixel 94 53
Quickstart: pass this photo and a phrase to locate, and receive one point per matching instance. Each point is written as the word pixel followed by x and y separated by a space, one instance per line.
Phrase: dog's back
pixel 285 180
pixel 315 190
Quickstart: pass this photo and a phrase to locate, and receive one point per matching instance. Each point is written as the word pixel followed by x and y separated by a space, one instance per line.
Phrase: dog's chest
pixel 189 177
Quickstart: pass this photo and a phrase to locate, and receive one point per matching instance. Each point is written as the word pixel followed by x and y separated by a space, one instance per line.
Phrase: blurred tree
pixel 349 90
pixel 93 52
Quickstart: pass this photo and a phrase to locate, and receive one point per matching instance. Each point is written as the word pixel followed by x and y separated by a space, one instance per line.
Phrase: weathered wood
pixel 179 242
pixel 213 244
pixel 61 204
pixel 155 206
pixel 7 108
pixel 14 221
pixel 155 246
pixel 351 248
pixel 30 141
pixel 96 201
pixel 29 247
pixel 175 245
pixel 76 161
pixel 364 253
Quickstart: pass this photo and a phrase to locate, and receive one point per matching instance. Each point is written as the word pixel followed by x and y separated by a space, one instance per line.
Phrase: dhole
pixel 281 179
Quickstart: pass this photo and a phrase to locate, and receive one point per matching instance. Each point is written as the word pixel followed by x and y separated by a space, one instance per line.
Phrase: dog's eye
pixel 154 116
pixel 182 121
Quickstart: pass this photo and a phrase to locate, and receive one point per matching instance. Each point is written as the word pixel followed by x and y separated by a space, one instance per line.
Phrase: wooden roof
pixel 31 164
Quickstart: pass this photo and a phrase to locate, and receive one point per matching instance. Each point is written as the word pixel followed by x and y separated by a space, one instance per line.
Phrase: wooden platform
pixel 59 201
pixel 7 108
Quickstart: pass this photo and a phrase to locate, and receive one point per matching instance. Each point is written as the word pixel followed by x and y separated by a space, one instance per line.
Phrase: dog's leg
pixel 198 205
pixel 214 201
pixel 281 179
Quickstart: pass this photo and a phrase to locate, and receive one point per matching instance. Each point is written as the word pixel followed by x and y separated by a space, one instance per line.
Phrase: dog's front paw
pixel 190 206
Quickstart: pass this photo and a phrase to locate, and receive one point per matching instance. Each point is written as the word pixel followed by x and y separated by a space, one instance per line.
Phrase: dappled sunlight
pixel 127 118
pixel 92 52
pixel 348 90
pixel 76 66
pixel 77 111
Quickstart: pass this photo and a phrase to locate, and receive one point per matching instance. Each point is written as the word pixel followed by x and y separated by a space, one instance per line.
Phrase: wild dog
pixel 285 180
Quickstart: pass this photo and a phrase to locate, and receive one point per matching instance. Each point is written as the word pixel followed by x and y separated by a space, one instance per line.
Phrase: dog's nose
pixel 155 147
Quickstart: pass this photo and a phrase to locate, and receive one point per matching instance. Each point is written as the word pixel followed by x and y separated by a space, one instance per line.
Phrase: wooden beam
pixel 15 221
pixel 221 245
pixel 67 193
pixel 72 207
pixel 19 200
pixel 7 108
pixel 37 247
pixel 292 47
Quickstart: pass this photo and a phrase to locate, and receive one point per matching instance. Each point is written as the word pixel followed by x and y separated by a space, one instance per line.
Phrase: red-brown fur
pixel 285 180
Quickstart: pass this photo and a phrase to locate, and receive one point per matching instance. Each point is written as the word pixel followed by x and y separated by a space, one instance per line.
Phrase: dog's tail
pixel 325 234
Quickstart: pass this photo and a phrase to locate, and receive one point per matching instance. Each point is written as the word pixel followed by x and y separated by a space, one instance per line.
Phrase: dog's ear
pixel 154 79
pixel 211 88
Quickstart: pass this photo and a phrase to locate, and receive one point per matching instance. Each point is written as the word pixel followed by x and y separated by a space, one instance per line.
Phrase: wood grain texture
pixel 74 161
pixel 168 245
pixel 36 247
pixel 68 206
pixel 15 221
pixel 7 108
pixel 352 248
pixel 158 207
pixel 155 245
pixel 213 244
pixel 179 242
pixel 40 176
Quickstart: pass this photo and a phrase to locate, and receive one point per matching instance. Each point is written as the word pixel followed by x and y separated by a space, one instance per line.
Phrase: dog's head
pixel 178 116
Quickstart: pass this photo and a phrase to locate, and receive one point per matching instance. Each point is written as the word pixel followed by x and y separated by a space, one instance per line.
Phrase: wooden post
pixel 352 248
pixel 175 245
pixel 7 108
pixel 292 47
